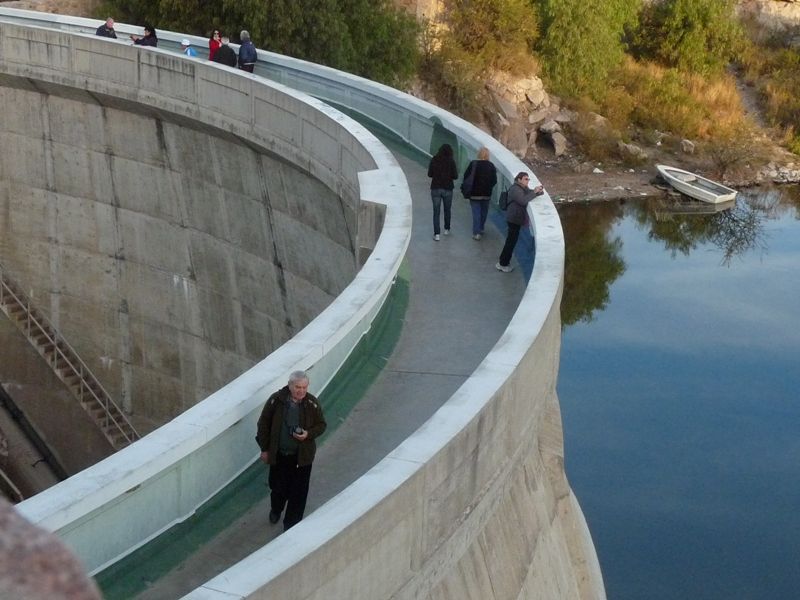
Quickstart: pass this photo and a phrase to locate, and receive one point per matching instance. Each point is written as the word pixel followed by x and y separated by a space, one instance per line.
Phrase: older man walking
pixel 289 423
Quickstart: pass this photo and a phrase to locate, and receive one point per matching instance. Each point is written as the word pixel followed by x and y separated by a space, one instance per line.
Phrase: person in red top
pixel 214 43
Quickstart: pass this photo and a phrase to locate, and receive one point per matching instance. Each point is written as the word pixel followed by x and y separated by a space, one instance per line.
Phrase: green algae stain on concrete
pixel 135 573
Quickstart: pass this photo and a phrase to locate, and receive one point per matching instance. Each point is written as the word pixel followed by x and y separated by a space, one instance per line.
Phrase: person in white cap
pixel 186 48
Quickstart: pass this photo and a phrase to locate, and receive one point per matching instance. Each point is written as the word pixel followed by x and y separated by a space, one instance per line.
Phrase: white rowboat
pixel 696 186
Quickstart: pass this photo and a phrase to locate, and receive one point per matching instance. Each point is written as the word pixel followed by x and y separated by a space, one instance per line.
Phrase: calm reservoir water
pixel 680 394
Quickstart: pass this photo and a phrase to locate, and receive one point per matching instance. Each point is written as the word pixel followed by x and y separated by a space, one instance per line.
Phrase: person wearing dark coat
pixel 443 171
pixel 519 194
pixel 247 53
pixel 107 29
pixel 289 424
pixel 148 39
pixel 484 178
pixel 225 54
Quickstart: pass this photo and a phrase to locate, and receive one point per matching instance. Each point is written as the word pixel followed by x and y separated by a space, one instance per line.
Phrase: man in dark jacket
pixel 225 54
pixel 289 423
pixel 107 29
pixel 247 53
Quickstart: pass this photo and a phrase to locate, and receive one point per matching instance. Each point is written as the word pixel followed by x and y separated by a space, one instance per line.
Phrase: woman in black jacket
pixel 443 171
pixel 148 39
pixel 484 178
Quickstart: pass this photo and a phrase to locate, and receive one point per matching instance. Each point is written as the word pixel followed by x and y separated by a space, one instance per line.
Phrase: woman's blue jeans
pixel 439 197
pixel 480 209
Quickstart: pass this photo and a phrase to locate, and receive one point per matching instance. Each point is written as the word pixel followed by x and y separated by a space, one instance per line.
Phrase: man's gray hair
pixel 298 376
pixel 244 35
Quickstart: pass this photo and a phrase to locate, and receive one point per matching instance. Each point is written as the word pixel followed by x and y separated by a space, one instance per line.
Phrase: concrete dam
pixel 198 233
pixel 189 247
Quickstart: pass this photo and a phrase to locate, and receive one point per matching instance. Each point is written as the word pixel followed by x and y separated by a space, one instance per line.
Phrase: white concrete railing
pixel 120 503
pixel 483 479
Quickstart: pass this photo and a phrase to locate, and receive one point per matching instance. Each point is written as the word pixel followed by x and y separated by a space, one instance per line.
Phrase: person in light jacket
pixel 519 194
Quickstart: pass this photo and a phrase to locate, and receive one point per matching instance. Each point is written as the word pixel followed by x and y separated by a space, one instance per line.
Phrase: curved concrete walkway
pixel 459 305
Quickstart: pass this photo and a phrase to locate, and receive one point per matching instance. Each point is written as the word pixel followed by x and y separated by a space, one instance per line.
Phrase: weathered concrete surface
pixel 172 258
pixel 69 432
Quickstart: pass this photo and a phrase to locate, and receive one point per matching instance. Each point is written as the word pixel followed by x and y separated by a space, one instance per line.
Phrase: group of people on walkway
pixel 478 182
pixel 218 49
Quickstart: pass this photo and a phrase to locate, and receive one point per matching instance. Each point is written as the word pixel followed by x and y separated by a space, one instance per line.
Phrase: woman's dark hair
pixel 150 29
pixel 445 150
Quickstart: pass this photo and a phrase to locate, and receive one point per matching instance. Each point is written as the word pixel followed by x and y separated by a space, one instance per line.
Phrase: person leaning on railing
pixel 519 194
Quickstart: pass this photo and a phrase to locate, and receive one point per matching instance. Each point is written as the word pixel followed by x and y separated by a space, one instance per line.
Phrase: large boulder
pixel 550 126
pixel 36 565
pixel 631 152
pixel 559 142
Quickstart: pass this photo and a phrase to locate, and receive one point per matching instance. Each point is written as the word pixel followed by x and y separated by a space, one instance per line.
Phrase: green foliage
pixel 475 37
pixel 367 37
pixel 701 36
pixel 493 33
pixel 583 43
pixel 456 79
pixel 774 69
pixel 794 144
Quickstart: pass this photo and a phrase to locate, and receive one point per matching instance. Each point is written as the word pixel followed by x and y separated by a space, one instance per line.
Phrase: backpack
pixel 503 200
pixel 466 183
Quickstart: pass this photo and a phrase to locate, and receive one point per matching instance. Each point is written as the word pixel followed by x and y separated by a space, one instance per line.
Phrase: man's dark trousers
pixel 288 484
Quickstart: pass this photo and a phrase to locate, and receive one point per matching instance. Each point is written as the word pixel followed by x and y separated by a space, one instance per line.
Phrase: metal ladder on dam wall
pixel 65 363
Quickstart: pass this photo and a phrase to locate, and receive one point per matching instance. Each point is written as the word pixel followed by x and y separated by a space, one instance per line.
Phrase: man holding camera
pixel 289 423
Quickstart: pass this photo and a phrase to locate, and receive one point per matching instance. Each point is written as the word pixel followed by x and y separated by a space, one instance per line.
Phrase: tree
pixel 494 33
pixel 700 36
pixel 372 38
pixel 583 43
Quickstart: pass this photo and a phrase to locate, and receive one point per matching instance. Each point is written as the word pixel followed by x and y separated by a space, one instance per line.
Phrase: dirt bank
pixel 77 8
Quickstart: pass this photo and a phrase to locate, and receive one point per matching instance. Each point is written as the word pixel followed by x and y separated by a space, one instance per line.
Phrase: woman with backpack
pixel 519 194
pixel 479 181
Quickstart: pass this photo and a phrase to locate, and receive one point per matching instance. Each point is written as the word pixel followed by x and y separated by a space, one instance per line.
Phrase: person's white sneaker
pixel 447 232
pixel 436 237
pixel 506 269
pixel 477 236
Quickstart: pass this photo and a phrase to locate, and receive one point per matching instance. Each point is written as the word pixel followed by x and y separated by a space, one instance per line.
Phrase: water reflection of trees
pixel 592 260
pixel 683 225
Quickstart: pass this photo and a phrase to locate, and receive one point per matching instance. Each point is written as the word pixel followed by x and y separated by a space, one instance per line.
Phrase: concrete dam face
pixel 171 254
